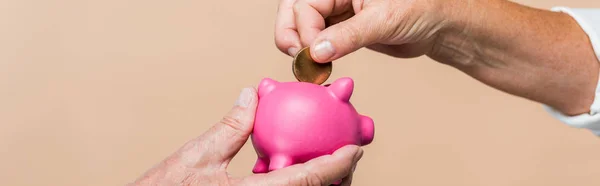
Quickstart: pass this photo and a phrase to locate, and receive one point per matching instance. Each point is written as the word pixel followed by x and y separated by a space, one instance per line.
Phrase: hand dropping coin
pixel 307 70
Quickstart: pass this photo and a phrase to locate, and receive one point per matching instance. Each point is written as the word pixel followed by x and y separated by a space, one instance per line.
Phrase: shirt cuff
pixel 589 20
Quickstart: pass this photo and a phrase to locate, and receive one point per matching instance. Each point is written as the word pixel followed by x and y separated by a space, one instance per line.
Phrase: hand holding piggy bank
pixel 297 121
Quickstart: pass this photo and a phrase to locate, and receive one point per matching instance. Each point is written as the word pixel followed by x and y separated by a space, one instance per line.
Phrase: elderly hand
pixel 204 160
pixel 537 54
pixel 334 28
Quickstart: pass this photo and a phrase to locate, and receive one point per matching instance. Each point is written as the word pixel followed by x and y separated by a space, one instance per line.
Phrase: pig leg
pixel 261 166
pixel 367 130
pixel 279 161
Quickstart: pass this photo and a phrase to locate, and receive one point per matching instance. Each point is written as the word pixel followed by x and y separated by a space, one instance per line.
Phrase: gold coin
pixel 307 70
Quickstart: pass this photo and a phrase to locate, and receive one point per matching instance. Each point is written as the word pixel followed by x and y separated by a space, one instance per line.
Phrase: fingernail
pixel 292 51
pixel 324 50
pixel 245 98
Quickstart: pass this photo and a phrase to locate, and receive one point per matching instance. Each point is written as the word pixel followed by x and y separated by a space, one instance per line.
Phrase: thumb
pixel 348 36
pixel 224 139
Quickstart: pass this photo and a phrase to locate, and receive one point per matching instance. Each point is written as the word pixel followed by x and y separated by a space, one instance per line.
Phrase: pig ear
pixel 266 86
pixel 342 88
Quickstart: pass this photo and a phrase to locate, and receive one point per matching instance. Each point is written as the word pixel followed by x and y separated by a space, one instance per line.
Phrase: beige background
pixel 96 92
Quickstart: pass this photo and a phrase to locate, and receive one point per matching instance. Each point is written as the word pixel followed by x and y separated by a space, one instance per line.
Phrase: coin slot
pixel 326 85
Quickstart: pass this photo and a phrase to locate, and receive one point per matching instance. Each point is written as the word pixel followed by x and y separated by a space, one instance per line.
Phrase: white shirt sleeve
pixel 589 20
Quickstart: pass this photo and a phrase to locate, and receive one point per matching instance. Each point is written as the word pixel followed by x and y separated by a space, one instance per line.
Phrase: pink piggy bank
pixel 296 122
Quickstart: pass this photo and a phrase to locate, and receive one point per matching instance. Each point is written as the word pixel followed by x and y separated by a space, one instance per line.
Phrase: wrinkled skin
pixel 532 53
pixel 204 160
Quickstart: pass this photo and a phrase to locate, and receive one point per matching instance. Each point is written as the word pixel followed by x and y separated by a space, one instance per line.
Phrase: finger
pixel 223 140
pixel 309 21
pixel 310 16
pixel 338 18
pixel 348 180
pixel 287 39
pixel 323 170
pixel 361 30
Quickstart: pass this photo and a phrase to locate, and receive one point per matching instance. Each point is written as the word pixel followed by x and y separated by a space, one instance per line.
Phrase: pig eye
pixel 326 85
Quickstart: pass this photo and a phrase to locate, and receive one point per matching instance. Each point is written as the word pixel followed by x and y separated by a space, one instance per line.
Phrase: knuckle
pixel 351 33
pixel 315 180
pixel 285 4
pixel 390 18
pixel 297 7
pixel 389 13
pixel 309 178
pixel 233 123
